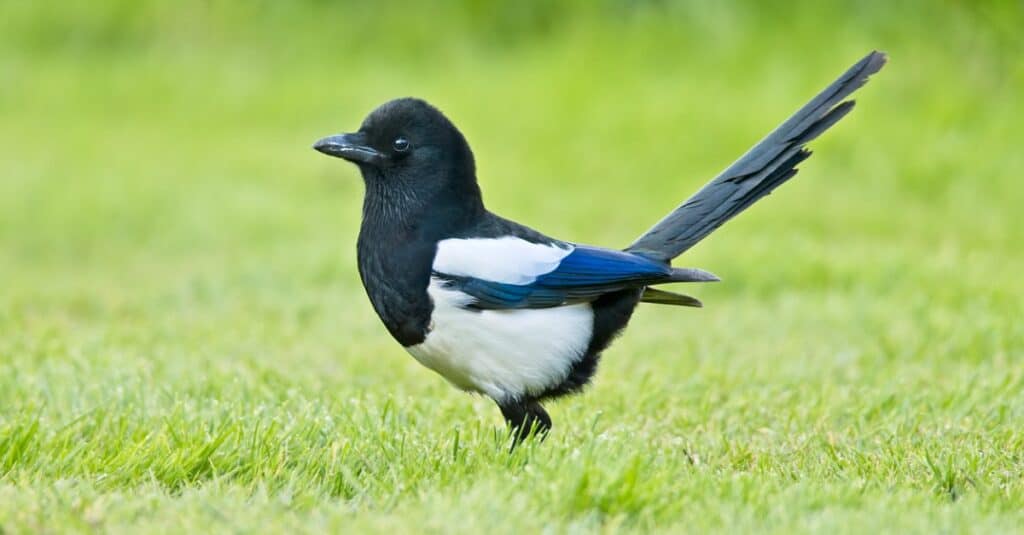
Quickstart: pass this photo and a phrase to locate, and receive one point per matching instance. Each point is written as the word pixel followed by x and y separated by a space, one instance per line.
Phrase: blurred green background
pixel 184 341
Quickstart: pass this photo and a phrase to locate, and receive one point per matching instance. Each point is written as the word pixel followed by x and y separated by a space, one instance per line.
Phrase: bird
pixel 500 309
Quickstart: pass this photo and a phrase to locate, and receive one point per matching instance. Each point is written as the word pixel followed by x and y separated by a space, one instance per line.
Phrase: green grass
pixel 185 346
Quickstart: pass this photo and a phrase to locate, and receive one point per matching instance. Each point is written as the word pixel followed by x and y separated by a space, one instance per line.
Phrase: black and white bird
pixel 500 309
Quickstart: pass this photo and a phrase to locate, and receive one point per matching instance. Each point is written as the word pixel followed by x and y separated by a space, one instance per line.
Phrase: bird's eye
pixel 400 144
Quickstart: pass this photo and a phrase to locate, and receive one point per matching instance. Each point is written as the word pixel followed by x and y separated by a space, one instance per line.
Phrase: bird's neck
pixel 433 208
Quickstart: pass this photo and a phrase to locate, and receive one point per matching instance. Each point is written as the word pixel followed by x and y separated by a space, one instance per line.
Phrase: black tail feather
pixel 763 168
pixel 662 297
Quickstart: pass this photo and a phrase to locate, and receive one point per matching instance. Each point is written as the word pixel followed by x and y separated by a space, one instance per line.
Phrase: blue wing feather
pixel 583 275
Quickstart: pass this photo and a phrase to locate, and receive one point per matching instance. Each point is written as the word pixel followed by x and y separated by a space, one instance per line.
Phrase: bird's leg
pixel 525 418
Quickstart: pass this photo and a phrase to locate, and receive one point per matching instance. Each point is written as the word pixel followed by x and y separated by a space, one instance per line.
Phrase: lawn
pixel 185 345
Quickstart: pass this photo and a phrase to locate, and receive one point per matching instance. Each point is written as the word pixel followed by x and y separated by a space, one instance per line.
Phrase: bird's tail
pixel 662 297
pixel 768 164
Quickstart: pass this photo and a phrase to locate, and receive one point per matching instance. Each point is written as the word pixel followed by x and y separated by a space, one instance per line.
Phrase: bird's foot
pixel 525 419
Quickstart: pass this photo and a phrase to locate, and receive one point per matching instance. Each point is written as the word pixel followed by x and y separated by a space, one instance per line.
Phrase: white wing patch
pixel 504 354
pixel 509 259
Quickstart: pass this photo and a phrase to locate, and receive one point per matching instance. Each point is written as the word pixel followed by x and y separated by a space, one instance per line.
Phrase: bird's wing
pixel 510 273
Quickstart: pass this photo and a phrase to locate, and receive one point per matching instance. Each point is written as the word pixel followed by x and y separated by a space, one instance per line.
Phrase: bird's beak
pixel 351 147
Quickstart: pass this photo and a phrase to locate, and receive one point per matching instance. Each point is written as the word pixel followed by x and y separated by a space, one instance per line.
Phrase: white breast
pixel 502 353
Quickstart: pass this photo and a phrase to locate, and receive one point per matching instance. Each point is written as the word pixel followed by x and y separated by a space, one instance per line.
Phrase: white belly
pixel 502 353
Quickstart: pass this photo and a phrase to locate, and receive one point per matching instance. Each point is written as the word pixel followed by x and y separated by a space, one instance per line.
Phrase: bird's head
pixel 408 147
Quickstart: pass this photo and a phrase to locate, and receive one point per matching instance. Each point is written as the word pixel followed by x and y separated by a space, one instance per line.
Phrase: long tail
pixel 768 164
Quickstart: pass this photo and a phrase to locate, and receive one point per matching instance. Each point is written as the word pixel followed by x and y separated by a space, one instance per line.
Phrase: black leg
pixel 525 418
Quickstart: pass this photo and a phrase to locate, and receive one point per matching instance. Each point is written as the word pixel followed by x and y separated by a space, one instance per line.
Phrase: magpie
pixel 502 310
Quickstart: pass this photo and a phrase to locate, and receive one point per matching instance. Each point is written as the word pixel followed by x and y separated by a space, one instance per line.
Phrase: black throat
pixel 405 214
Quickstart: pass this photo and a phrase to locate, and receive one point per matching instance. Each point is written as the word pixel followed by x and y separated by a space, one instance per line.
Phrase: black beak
pixel 351 147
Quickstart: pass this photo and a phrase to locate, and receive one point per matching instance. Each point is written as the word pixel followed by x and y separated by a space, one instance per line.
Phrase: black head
pixel 409 152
